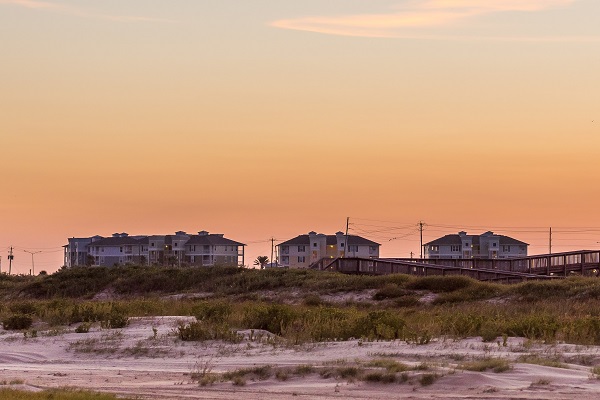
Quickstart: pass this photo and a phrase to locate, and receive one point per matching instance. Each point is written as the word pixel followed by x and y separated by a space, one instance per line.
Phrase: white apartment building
pixel 486 245
pixel 179 249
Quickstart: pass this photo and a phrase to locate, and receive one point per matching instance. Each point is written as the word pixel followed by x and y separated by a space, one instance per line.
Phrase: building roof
pixel 116 241
pixel 212 240
pixel 454 240
pixel 353 240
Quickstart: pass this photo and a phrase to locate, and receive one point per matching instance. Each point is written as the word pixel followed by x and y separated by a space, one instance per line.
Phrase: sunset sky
pixel 272 118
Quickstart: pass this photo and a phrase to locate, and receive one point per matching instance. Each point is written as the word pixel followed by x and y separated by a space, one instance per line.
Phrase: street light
pixel 32 265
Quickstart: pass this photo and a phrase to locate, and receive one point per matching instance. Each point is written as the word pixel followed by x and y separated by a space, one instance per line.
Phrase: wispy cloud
pixel 79 12
pixel 403 21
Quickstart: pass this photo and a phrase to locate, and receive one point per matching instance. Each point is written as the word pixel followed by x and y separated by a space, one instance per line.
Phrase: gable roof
pixel 212 240
pixel 116 241
pixel 353 240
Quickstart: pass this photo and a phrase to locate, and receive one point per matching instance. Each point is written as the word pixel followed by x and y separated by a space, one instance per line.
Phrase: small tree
pixel 90 260
pixel 261 261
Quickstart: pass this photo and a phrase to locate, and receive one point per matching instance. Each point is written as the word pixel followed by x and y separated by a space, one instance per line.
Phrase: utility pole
pixel 411 254
pixel 550 242
pixel 346 243
pixel 421 234
pixel 272 249
pixel 10 258
pixel 32 253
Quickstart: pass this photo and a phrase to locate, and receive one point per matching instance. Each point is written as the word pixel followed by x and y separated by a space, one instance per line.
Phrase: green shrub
pixel 348 372
pixel 427 379
pixel 274 318
pixel 212 311
pixel 389 365
pixel 303 370
pixel 438 284
pixel 114 320
pixel 84 327
pixel 313 300
pixel 25 308
pixel 17 322
pixel 382 324
pixel 406 301
pixel 534 326
pixel 380 377
pixel 201 331
pixel 389 291
pixel 495 364
pixel 261 373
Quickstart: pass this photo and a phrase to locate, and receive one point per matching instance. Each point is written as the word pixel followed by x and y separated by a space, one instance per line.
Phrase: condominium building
pixel 203 249
pixel 304 250
pixel 486 245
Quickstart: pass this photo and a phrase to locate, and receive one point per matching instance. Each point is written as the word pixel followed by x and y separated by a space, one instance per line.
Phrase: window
pixel 506 249
pixel 494 244
pixel 175 244
pixel 353 248
pixel 285 250
pixel 342 245
pixel 315 244
pixel 434 248
pixel 455 248
pixel 152 244
pixel 372 249
pixel 301 259
pixel 285 260
pixel 301 249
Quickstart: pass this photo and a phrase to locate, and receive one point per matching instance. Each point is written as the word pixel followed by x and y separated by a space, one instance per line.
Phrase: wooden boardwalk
pixel 548 266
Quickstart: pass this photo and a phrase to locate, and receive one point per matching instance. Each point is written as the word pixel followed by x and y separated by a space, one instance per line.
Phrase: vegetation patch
pixel 495 364
pixel 58 394
pixel 17 322
pixel 553 362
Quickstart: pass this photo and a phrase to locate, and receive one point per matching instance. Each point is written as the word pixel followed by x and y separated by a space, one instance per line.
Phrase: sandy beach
pixel 148 360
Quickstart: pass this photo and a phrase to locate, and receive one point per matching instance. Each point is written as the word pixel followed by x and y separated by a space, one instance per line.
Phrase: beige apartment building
pixel 304 250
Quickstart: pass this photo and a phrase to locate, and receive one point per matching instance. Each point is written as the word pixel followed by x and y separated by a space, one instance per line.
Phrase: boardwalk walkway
pixel 548 266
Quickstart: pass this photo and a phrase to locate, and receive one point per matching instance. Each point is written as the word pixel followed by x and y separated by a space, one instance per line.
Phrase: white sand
pixel 132 362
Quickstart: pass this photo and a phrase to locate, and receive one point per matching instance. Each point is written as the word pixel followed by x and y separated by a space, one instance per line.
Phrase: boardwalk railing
pixel 584 262
pixel 548 266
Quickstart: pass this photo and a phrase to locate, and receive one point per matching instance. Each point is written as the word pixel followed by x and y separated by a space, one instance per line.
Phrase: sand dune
pixel 135 361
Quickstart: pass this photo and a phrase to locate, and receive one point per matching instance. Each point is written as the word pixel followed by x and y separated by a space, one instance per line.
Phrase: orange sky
pixel 277 118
